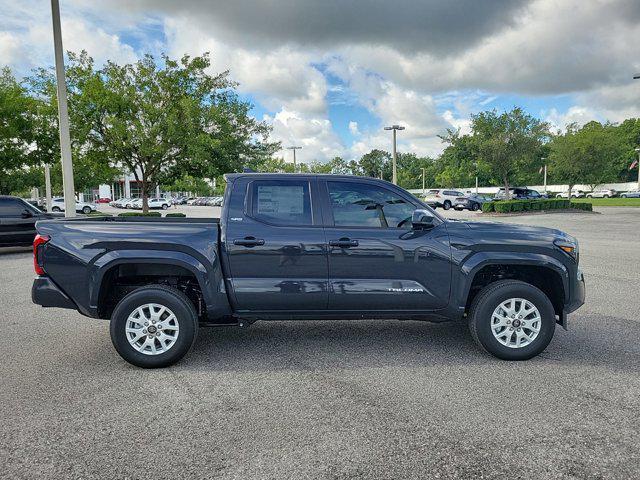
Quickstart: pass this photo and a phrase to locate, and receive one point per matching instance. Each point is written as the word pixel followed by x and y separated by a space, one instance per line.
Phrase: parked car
pixel 121 202
pixel 519 193
pixel 602 193
pixel 442 197
pixel 574 194
pixel 214 201
pixel 154 203
pixel 129 203
pixel 18 221
pixel 104 200
pixel 57 205
pixel 365 248
pixel 192 201
pixel 472 202
pixel 631 194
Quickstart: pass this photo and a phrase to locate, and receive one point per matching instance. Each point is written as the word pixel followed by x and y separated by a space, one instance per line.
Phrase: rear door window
pixel 281 202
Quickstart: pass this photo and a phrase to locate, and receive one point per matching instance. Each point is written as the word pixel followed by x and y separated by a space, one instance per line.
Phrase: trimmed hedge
pixel 504 206
pixel 99 214
pixel 176 214
pixel 140 214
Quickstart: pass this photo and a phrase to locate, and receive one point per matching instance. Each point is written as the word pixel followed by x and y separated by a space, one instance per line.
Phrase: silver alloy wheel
pixel 152 329
pixel 516 323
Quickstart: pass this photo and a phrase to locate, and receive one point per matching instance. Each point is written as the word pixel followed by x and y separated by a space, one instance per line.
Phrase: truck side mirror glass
pixel 422 219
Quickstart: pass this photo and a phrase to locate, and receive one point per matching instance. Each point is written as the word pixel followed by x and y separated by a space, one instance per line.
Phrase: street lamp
pixel 395 172
pixel 63 115
pixel 294 156
pixel 544 159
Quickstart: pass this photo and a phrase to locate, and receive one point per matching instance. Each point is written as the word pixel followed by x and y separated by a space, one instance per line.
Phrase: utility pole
pixel 47 185
pixel 423 180
pixel 294 156
pixel 63 116
pixel 395 128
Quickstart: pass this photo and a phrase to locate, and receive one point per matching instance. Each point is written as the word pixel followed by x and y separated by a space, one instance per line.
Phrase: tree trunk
pixel 145 196
pixel 507 193
pixel 569 193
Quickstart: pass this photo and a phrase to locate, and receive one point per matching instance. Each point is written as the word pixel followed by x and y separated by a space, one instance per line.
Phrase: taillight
pixel 38 244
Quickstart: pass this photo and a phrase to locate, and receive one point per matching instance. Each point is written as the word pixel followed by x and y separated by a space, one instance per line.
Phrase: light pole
pixel 294 156
pixel 63 116
pixel 395 128
pixel 544 159
pixel 423 180
pixel 47 185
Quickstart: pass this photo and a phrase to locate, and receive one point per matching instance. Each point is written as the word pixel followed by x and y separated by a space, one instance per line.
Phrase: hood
pixel 503 232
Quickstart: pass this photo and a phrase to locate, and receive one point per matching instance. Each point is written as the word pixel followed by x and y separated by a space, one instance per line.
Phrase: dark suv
pixel 519 193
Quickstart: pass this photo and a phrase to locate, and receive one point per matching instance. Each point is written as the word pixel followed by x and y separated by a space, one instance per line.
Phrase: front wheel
pixel 605 196
pixel 154 326
pixel 446 205
pixel 165 206
pixel 512 320
pixel 86 210
pixel 475 207
pixel 55 209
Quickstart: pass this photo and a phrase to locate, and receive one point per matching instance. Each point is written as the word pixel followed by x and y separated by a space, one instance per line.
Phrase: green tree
pixel 508 143
pixel 587 155
pixel 164 121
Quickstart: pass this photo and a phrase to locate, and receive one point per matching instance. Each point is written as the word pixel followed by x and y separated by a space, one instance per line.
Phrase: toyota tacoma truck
pixel 295 246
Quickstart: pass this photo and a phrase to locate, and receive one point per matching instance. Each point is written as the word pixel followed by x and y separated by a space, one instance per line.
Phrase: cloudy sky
pixel 328 75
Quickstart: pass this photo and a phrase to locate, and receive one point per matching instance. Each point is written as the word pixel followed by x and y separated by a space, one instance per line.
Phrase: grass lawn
pixel 609 202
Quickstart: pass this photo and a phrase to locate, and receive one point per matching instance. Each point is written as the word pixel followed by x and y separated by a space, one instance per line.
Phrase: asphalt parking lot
pixel 362 399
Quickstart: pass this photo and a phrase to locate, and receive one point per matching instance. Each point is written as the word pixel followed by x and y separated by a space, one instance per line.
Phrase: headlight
pixel 570 247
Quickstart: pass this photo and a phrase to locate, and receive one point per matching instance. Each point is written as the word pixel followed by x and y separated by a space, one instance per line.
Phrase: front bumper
pixel 578 292
pixel 47 294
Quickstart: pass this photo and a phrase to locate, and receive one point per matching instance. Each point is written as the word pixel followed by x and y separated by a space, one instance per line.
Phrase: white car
pixel 162 203
pixel 57 205
pixel 442 197
pixel 602 193
pixel 631 194
pixel 574 194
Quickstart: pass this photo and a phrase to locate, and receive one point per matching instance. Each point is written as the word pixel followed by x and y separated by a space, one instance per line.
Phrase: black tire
pixel 86 210
pixel 486 302
pixel 446 205
pixel 165 206
pixel 605 196
pixel 171 298
pixel 475 207
pixel 55 209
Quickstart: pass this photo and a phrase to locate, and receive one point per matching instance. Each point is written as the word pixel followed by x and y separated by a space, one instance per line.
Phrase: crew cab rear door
pixel 275 245
pixel 376 261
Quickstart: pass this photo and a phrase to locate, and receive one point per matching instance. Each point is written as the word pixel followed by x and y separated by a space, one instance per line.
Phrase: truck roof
pixel 233 176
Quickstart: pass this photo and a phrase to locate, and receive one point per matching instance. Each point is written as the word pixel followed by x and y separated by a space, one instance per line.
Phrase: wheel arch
pixel 543 271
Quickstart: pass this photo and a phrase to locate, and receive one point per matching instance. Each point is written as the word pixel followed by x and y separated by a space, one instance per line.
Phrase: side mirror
pixel 422 219
pixel 26 214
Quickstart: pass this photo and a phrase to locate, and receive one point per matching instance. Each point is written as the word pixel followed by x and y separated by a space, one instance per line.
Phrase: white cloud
pixel 353 128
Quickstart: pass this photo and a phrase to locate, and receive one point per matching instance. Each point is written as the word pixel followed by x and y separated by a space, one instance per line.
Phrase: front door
pixel 376 261
pixel 276 246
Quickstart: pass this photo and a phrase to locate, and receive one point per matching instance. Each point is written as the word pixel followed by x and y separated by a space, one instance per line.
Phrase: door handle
pixel 343 243
pixel 248 241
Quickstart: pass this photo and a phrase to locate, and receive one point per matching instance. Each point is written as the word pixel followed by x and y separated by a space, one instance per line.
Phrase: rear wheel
pixel 512 320
pixel 55 209
pixel 446 205
pixel 86 210
pixel 475 207
pixel 154 326
pixel 165 206
pixel 605 196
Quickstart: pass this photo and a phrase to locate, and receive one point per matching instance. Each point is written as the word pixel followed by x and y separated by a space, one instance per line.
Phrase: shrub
pixel 489 207
pixel 176 214
pixel 502 206
pixel 587 207
pixel 140 214
pixel 99 214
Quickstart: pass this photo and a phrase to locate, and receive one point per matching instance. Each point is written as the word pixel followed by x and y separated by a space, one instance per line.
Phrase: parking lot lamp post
pixel 47 185
pixel 423 179
pixel 63 115
pixel 294 156
pixel 395 128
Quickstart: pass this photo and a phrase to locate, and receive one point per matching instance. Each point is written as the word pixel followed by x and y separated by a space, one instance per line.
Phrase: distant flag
pixel 633 165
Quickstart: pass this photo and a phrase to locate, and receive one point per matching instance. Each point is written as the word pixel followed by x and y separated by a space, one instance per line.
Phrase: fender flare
pixel 210 280
pixel 476 262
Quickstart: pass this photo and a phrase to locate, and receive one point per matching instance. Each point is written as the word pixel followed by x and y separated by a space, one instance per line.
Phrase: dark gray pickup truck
pixel 307 247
